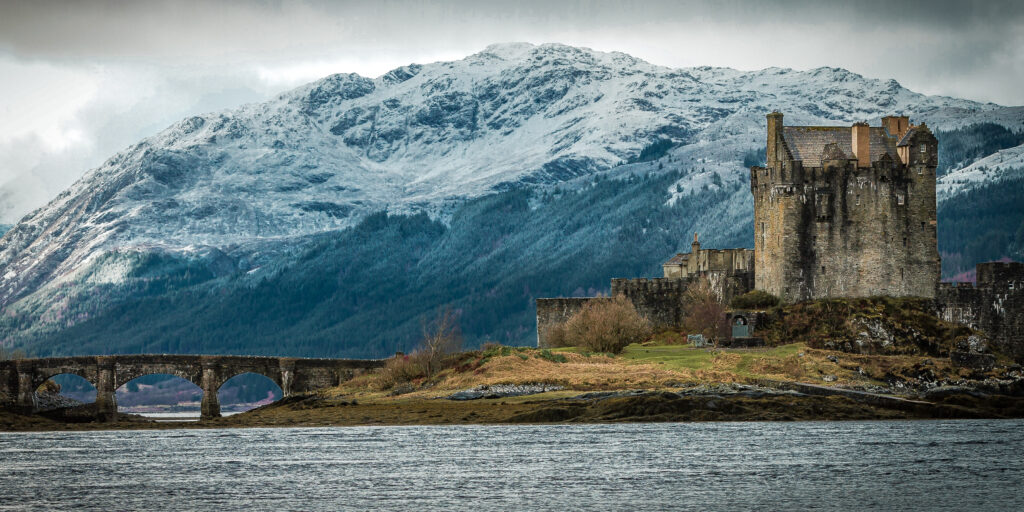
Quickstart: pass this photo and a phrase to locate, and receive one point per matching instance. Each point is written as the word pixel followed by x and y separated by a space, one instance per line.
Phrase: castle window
pixel 901 271
pixel 924 148
pixel 823 269
pixel 858 199
pixel 904 245
pixel 899 199
pixel 922 225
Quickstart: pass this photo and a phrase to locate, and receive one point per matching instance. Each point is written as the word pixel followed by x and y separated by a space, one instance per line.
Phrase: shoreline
pixel 650 382
pixel 751 403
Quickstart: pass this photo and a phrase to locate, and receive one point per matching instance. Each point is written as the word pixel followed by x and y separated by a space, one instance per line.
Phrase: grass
pixel 657 364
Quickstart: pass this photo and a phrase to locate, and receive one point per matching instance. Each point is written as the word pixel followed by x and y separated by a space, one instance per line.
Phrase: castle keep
pixel 846 211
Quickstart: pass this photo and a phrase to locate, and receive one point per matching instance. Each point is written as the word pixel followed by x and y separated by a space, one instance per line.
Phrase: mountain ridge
pixel 228 194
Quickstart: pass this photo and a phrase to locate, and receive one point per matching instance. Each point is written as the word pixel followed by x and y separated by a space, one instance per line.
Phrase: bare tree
pixel 441 338
pixel 705 312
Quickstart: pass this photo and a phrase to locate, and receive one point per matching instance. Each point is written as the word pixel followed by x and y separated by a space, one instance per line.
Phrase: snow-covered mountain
pixel 240 188
pixel 1001 165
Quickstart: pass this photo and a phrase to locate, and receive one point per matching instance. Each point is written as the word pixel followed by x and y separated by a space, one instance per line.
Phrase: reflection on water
pixel 171 417
pixel 918 465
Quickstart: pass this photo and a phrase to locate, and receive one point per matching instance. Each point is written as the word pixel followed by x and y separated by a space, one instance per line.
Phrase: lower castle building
pixel 698 261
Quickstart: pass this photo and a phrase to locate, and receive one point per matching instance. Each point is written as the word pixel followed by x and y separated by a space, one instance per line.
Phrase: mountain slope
pixel 218 202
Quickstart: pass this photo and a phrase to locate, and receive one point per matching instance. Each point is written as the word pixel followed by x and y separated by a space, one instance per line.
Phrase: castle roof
pixel 678 259
pixel 905 140
pixel 807 143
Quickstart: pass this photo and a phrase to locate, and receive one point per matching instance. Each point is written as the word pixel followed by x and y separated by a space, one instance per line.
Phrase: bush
pixel 11 355
pixel 755 299
pixel 49 387
pixel 400 370
pixel 605 325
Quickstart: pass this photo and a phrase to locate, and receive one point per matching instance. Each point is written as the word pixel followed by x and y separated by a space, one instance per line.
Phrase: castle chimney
pixel 695 246
pixel 774 136
pixel 897 126
pixel 861 143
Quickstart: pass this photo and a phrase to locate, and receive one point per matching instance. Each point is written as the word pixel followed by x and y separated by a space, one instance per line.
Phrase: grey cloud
pixel 206 55
pixel 185 28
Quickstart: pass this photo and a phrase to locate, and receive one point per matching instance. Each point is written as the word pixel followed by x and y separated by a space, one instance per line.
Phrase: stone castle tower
pixel 846 211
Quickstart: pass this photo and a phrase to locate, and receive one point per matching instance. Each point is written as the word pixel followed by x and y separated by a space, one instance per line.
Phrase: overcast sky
pixel 84 79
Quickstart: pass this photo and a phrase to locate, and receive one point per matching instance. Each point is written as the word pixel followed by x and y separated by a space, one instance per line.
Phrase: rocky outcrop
pixel 502 391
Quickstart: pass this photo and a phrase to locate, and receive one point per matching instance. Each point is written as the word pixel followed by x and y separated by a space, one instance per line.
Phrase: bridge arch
pixel 248 390
pixel 41 375
pixel 159 390
pixel 186 372
pixel 72 386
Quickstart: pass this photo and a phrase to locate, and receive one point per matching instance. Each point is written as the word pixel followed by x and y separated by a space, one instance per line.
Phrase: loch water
pixel 885 465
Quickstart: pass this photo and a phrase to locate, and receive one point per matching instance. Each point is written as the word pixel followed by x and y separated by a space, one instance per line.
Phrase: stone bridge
pixel 20 378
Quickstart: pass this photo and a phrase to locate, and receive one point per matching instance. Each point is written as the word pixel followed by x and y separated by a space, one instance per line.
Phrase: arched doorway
pixel 740 327
pixel 247 391
pixel 160 396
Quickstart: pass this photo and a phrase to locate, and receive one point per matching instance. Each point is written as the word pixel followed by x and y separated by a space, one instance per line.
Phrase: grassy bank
pixel 659 376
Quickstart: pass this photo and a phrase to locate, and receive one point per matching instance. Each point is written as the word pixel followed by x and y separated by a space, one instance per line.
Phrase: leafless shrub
pixel 704 310
pixel 441 339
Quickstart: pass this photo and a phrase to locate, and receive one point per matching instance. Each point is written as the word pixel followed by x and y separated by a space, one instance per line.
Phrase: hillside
pixel 332 219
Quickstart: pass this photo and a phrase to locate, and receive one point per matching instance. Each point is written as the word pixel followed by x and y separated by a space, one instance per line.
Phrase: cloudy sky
pixel 84 79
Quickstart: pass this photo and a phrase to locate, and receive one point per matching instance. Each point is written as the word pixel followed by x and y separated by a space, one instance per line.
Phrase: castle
pixel 838 212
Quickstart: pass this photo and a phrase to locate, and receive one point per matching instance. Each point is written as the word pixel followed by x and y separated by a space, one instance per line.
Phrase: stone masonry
pixel 994 305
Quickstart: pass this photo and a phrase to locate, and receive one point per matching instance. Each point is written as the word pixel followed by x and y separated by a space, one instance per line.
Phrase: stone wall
pixel 659 299
pixel 994 305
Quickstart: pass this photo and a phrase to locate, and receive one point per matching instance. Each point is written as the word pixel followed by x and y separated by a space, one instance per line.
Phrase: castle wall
pixel 730 261
pixel 995 305
pixel 661 300
pixel 658 299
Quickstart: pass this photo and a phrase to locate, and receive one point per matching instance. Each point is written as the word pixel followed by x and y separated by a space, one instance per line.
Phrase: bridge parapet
pixel 19 379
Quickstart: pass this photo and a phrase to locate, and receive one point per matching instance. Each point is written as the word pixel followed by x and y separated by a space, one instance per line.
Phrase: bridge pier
pixel 106 393
pixel 26 398
pixel 287 378
pixel 210 407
